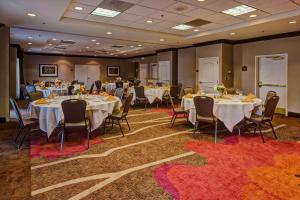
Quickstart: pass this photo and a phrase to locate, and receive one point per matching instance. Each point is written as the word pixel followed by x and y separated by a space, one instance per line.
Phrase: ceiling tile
pixel 119 22
pixel 137 25
pixel 166 24
pixel 128 17
pixel 259 14
pixel 157 4
pixel 181 19
pixel 212 26
pixel 144 21
pixel 162 15
pixel 88 2
pixel 140 10
pixel 86 8
pixel 97 18
pixel 75 15
pixel 199 13
pixel 220 5
pixel 198 3
pixel 180 8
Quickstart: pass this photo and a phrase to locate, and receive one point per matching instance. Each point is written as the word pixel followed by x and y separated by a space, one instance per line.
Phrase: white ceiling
pixel 58 19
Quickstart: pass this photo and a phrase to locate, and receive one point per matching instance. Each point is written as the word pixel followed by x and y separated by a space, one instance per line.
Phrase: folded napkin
pixel 249 98
pixel 51 96
pixel 41 101
pixel 110 98
pixel 226 97
pixel 189 96
pixel 104 94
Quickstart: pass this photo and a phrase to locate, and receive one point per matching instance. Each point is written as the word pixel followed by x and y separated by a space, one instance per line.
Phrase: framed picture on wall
pixel 48 70
pixel 113 71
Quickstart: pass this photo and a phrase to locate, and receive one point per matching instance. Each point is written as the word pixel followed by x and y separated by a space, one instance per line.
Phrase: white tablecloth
pixel 153 93
pixel 229 111
pixel 111 86
pixel 49 90
pixel 50 114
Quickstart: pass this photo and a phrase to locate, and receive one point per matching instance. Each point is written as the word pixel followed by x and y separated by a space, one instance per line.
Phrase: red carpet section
pixel 242 168
pixel 75 144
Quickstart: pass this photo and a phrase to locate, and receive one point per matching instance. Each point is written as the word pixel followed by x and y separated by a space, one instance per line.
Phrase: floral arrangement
pixel 81 90
pixel 220 88
pixel 118 79
pixel 42 84
pixel 58 82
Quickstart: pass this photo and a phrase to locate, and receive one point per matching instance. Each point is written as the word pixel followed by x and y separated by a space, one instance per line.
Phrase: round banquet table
pixel 230 111
pixel 112 86
pixel 51 114
pixel 46 92
pixel 155 93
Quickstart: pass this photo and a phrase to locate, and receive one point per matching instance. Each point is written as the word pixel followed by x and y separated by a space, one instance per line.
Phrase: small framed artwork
pixel 113 71
pixel 48 70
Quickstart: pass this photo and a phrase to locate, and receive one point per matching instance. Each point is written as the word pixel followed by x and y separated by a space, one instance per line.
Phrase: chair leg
pixel 216 131
pixel 172 120
pixel 127 123
pixel 112 124
pixel 104 125
pixel 262 136
pixel 120 127
pixel 175 116
pixel 274 133
pixel 18 134
pixel 62 140
pixel 195 128
pixel 88 136
pixel 23 138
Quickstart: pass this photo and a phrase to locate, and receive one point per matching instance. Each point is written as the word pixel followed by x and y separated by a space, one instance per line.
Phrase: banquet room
pixel 150 99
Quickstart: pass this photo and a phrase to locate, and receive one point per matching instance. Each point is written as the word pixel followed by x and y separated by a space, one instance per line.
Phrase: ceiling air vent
pixel 116 5
pixel 197 23
pixel 69 42
pixel 117 46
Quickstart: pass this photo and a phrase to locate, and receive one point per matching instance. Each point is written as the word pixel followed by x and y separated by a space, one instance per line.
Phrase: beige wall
pixel 12 71
pixel 187 67
pixel 4 72
pixel 66 66
pixel 227 65
pixel 172 57
pixel 244 55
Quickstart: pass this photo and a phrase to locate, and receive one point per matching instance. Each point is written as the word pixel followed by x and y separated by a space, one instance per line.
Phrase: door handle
pixel 260 84
pixel 205 82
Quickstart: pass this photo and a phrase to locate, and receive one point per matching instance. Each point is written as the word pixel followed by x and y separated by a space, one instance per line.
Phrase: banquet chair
pixel 91 89
pixel 35 81
pixel 188 90
pixel 231 91
pixel 74 82
pixel 98 86
pixel 120 115
pixel 70 89
pixel 119 84
pixel 25 125
pixel 179 90
pixel 204 113
pixel 266 118
pixel 74 117
pixel 159 84
pixel 140 96
pixel 177 111
pixel 119 92
pixel 24 92
pixel 269 95
pixel 33 96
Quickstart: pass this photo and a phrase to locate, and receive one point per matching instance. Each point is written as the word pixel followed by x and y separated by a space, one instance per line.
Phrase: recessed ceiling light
pixel 108 33
pixel 31 14
pixel 239 10
pixel 78 8
pixel 50 44
pixel 97 43
pixel 105 12
pixel 182 27
pixel 196 30
pixel 54 39
pixel 125 54
pixel 93 40
pixel 29 37
pixel 149 21
pixel 136 52
pixel 232 33
pixel 201 0
pixel 162 39
pixel 29 43
pixel 87 47
pixel 252 16
pixel 293 22
pixel 131 46
pixel 140 45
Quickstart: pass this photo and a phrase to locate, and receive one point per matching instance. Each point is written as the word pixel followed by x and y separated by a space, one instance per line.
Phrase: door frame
pixel 198 67
pixel 257 72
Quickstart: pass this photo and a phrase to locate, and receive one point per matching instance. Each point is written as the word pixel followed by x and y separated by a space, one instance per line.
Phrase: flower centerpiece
pixel 81 91
pixel 220 88
pixel 42 84
pixel 118 79
pixel 58 83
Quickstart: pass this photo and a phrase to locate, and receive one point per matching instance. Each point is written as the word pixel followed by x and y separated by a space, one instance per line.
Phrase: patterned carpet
pixel 155 161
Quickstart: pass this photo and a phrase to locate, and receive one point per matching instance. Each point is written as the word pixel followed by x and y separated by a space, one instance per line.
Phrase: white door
pixel 208 74
pixel 272 76
pixel 164 71
pixel 143 74
pixel 87 74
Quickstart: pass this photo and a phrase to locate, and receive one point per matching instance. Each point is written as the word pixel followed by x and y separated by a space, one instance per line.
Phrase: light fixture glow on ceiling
pixel 29 43
pixel 293 22
pixel 97 43
pixel 239 10
pixel 182 27
pixel 162 39
pixel 93 40
pixel 29 37
pixel 78 8
pixel 252 16
pixel 149 21
pixel 54 39
pixel 31 14
pixel 196 30
pixel 232 33
pixel 140 45
pixel 108 33
pixel 201 0
pixel 105 12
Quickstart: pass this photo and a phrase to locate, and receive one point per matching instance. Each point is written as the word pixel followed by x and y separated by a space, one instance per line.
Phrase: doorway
pixel 87 74
pixel 208 74
pixel 271 75
pixel 143 73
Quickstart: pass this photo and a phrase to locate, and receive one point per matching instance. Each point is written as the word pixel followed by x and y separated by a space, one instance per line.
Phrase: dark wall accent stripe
pixel 145 55
pixel 222 41
pixel 166 50
pixel 69 55
pixel 293 114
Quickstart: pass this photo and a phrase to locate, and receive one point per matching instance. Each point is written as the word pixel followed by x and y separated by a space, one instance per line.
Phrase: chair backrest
pixel 159 84
pixel 34 81
pixel 204 106
pixel 269 95
pixel 136 83
pixel 119 92
pixel 91 89
pixel 16 109
pixel 98 85
pixel 231 91
pixel 47 84
pixel 74 110
pixel 30 88
pixel 74 82
pixel 174 91
pixel 140 91
pixel 127 104
pixel 24 91
pixel 188 90
pixel 119 84
pixel 171 101
pixel 33 96
pixel 271 107
pixel 70 89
